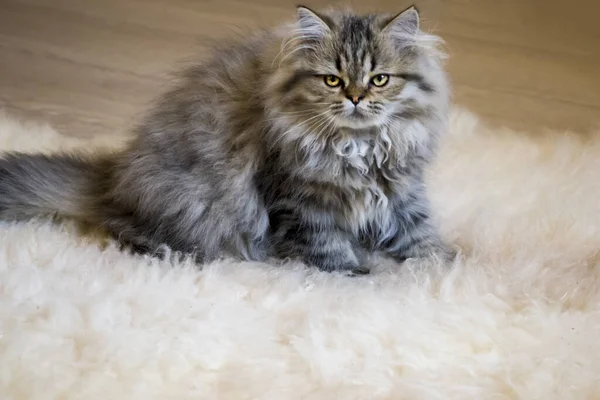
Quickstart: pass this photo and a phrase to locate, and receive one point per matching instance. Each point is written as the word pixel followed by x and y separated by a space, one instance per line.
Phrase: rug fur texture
pixel 516 317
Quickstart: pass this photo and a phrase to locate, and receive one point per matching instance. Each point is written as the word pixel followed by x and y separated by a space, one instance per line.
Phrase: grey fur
pixel 252 155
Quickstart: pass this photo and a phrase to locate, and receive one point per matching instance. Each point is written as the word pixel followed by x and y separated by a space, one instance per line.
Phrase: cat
pixel 307 142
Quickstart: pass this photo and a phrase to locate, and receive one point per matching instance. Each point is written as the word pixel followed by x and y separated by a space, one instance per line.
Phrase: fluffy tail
pixel 39 185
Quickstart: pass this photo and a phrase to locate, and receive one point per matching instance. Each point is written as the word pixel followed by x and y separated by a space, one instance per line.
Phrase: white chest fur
pixel 368 202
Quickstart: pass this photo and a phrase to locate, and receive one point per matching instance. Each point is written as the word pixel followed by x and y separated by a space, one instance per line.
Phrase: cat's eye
pixel 332 81
pixel 380 80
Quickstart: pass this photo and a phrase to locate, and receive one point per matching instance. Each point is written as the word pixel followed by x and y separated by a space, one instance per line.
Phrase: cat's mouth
pixel 356 113
pixel 357 119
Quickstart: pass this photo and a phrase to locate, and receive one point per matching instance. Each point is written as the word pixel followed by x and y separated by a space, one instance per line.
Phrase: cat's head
pixel 338 69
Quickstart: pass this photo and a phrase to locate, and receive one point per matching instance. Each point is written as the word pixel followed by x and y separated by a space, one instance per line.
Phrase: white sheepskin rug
pixel 516 317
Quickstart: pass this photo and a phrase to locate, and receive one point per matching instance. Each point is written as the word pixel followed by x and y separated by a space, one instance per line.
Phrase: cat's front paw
pixel 350 261
pixel 358 271
pixel 445 253
pixel 437 251
pixel 348 268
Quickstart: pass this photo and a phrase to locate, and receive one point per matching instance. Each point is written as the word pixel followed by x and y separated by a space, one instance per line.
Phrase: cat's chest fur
pixel 361 183
pixel 368 187
pixel 357 178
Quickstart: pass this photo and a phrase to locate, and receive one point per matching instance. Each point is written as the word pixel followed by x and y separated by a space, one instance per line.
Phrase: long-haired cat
pixel 307 142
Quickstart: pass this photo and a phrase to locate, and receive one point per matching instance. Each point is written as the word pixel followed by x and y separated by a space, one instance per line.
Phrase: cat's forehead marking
pixel 357 45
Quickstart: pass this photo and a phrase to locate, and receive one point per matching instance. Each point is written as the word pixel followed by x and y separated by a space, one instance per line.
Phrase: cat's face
pixel 357 84
pixel 353 71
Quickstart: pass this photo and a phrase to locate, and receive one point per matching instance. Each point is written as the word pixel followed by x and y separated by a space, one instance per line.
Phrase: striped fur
pixel 252 155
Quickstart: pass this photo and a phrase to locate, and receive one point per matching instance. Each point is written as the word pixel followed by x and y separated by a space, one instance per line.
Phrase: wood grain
pixel 91 67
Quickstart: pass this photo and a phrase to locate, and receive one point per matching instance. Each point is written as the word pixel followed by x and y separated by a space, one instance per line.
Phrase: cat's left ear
pixel 404 25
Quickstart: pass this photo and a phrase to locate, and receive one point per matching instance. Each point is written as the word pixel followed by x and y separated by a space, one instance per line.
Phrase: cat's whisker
pixel 317 116
pixel 309 131
pixel 309 148
pixel 299 48
pixel 299 125
pixel 295 112
pixel 303 111
pixel 314 136
pixel 323 121
pixel 291 114
pixel 298 114
pixel 331 123
pixel 284 44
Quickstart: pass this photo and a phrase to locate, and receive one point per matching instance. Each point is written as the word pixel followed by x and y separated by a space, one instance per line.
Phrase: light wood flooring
pixel 92 66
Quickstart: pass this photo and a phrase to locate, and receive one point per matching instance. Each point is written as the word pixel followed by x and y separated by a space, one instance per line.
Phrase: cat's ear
pixel 312 25
pixel 404 25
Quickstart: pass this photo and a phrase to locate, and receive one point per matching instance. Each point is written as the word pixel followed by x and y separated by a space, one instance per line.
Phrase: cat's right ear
pixel 312 25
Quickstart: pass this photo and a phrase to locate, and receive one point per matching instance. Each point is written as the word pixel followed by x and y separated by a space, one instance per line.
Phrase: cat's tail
pixel 33 185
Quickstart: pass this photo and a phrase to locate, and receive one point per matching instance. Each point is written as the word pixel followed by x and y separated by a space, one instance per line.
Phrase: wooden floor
pixel 92 66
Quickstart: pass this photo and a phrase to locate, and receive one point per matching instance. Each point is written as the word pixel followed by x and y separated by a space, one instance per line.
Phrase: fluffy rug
pixel 516 317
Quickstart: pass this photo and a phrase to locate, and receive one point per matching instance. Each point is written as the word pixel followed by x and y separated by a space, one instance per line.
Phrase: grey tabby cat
pixel 306 142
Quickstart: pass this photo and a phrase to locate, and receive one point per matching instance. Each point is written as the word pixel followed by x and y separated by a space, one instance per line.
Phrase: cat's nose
pixel 355 99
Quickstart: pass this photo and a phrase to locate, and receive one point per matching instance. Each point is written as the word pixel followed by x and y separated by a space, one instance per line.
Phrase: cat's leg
pixel 186 213
pixel 418 244
pixel 323 246
pixel 147 236
pixel 186 234
pixel 414 236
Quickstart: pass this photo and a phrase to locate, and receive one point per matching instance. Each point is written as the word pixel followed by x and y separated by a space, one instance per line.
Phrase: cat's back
pixel 189 174
pixel 212 115
pixel 232 70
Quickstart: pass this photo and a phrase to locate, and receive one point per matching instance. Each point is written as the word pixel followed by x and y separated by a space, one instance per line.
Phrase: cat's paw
pixel 446 253
pixel 436 251
pixel 357 271
pixel 345 268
